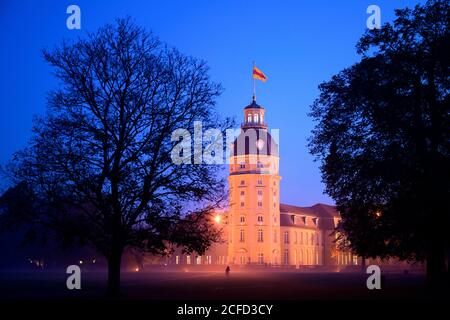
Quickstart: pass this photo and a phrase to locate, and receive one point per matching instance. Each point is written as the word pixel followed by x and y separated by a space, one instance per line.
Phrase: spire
pixel 254 83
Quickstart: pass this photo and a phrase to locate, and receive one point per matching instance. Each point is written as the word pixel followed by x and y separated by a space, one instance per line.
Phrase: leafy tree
pixel 382 136
pixel 99 162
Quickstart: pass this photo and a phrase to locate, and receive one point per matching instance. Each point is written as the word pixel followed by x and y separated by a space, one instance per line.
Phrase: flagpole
pixel 254 83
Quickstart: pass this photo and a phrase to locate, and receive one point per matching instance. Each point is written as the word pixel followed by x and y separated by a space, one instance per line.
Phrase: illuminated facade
pixel 257 229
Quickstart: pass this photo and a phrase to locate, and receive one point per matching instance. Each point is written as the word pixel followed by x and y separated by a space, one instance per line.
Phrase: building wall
pixel 301 246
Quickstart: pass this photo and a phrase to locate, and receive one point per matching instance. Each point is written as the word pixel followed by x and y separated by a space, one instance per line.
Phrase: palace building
pixel 257 228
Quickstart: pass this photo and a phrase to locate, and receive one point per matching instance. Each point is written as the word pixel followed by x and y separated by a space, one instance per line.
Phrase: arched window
pixel 242 235
pixel 286 237
pixel 260 219
pixel 249 117
pixel 260 235
pixel 242 219
pixel 256 118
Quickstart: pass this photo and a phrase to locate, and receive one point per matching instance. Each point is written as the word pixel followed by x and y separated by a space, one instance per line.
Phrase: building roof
pixel 325 214
pixel 254 105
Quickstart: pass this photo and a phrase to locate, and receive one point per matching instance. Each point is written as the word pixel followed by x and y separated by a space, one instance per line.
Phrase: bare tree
pixel 100 159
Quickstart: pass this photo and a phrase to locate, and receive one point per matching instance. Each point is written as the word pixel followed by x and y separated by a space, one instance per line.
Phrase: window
pixel 259 182
pixel 260 219
pixel 177 260
pixel 199 260
pixel 274 204
pixel 242 193
pixel 317 239
pixel 259 164
pixel 286 237
pixel 242 204
pixel 242 219
pixel 260 235
pixel 274 219
pixel 242 259
pixel 312 239
pixel 249 117
pixel 274 183
pixel 259 204
pixel 242 235
pixel 301 237
pixel 188 260
pixel 256 118
pixel 275 236
pixel 306 238
pixel 295 237
pixel 242 182
pixel 286 256
pixel 261 258
pixel 242 165
pixel 260 193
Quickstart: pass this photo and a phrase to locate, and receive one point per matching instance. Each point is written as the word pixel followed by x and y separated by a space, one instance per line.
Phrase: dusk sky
pixel 297 44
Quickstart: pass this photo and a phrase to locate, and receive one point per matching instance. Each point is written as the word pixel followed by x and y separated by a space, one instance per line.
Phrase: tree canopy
pixel 99 162
pixel 382 136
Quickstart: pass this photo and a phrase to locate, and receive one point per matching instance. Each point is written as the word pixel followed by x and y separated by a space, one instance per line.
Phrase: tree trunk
pixel 114 264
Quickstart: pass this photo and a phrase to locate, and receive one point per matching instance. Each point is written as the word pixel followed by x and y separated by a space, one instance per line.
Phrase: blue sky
pixel 297 44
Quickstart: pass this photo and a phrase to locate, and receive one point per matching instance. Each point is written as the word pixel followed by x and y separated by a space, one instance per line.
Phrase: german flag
pixel 258 74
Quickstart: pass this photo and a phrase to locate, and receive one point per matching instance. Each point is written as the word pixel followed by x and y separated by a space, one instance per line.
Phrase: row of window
pixel 307 258
pixel 312 239
pixel 255 118
pixel 201 260
pixel 304 238
pixel 259 203
pixel 259 192
pixel 260 235
pixel 302 220
pixel 259 164
pixel 259 182
pixel 259 219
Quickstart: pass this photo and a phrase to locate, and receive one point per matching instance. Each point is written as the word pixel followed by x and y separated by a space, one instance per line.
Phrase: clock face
pixel 260 144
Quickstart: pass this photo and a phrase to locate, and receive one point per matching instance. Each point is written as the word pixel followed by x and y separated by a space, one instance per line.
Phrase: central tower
pixel 254 217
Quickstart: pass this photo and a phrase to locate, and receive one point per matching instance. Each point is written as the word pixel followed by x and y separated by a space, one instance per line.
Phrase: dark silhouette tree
pixel 382 136
pixel 99 163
